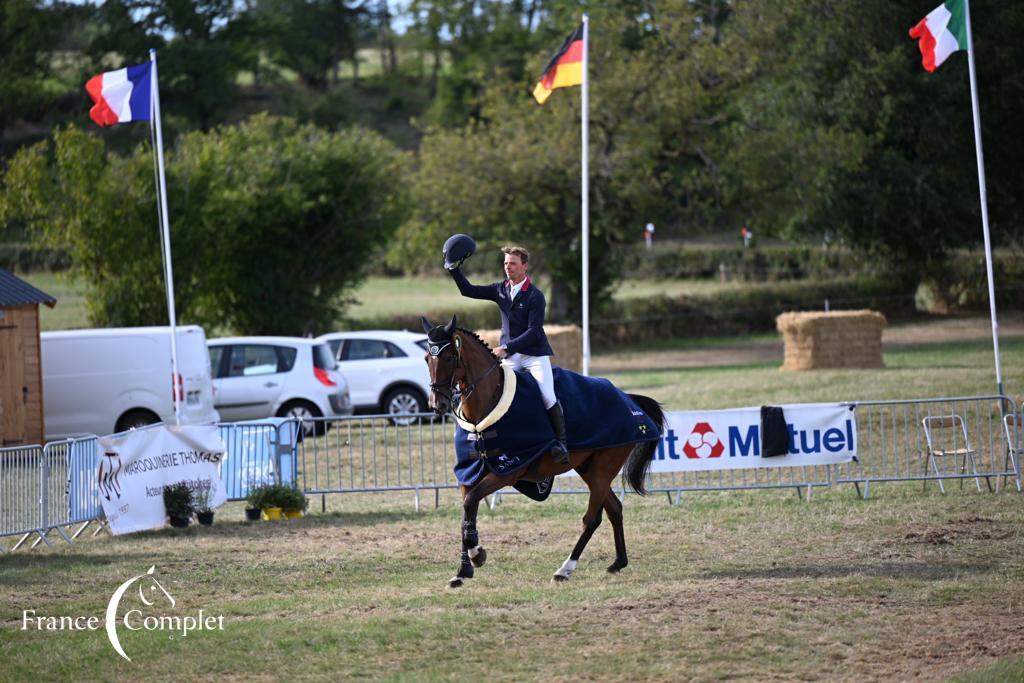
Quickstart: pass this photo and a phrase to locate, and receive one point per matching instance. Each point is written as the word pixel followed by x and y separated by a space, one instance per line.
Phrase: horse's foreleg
pixel 473 553
pixel 591 520
pixel 613 508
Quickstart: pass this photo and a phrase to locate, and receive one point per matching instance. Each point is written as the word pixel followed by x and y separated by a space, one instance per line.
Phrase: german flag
pixel 565 68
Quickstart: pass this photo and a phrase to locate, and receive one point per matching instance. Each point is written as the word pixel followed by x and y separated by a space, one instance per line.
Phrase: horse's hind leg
pixel 598 474
pixel 613 508
pixel 591 520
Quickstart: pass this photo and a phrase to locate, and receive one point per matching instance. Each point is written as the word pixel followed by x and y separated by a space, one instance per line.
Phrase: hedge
pixel 19 257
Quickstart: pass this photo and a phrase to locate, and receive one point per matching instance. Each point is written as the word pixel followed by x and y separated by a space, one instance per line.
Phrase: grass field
pixel 750 586
pixel 727 585
pixel 378 296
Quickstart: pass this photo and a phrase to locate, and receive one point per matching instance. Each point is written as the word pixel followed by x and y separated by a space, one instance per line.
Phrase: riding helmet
pixel 457 249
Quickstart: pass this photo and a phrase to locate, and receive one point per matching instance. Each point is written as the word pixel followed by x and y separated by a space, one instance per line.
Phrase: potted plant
pixel 274 496
pixel 204 514
pixel 178 503
pixel 255 502
pixel 293 501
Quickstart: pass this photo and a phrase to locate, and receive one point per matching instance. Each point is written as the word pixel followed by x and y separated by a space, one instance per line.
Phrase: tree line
pixel 811 121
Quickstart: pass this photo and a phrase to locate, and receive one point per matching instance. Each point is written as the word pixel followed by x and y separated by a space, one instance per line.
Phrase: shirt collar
pixel 525 284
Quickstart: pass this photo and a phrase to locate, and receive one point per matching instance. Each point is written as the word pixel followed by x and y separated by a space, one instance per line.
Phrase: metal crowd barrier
pixel 21 484
pixel 361 454
pixel 892 444
pixel 53 487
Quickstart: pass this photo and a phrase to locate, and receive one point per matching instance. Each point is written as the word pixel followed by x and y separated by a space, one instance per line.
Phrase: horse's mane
pixel 476 336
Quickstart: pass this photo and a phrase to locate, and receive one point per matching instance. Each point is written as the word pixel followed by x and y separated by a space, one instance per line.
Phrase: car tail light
pixel 178 385
pixel 324 377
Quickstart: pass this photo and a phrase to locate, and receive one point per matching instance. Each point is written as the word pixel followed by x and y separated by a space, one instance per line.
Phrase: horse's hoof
pixel 480 557
pixel 559 578
pixel 455 582
pixel 616 567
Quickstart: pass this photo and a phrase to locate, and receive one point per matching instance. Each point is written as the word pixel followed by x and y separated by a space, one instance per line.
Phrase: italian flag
pixel 941 33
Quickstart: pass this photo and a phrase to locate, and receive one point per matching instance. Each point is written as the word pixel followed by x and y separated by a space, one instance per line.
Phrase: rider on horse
pixel 523 345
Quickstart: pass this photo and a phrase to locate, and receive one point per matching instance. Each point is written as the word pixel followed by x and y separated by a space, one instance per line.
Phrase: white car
pixel 258 377
pixel 385 370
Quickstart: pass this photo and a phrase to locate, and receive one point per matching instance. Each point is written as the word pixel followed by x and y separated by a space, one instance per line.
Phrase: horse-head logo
pixel 150 591
pixel 109 470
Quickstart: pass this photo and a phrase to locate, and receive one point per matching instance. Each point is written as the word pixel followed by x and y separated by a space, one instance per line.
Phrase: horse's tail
pixel 639 461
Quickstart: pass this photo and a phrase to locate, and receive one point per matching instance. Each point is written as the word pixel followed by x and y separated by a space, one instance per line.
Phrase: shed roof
pixel 16 292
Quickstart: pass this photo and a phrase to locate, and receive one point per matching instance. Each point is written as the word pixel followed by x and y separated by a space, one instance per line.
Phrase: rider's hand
pixel 501 352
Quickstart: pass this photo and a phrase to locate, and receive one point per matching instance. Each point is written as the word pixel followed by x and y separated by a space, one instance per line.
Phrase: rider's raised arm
pixel 468 289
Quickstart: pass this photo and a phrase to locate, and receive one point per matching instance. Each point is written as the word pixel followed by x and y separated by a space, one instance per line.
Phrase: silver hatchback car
pixel 258 377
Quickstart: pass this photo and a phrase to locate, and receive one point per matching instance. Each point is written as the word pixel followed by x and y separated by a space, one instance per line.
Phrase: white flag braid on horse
pixel 941 33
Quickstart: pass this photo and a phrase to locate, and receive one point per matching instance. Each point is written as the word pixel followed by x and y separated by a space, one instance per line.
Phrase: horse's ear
pixel 427 325
pixel 450 327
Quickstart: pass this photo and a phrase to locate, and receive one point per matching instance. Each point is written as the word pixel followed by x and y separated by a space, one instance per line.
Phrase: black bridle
pixel 435 349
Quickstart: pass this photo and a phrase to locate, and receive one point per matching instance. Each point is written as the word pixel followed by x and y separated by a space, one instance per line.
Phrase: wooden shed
pixel 21 372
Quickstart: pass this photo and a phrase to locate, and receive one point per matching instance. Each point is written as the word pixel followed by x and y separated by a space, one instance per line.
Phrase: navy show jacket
pixel 522 318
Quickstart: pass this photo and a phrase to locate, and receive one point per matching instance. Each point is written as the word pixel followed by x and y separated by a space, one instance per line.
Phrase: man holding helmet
pixel 523 346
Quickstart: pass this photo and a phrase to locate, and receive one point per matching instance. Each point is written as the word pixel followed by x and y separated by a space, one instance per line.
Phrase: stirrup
pixel 559 453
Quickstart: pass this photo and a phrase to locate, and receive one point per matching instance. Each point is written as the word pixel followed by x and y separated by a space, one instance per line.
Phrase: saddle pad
pixel 597 415
pixel 536 490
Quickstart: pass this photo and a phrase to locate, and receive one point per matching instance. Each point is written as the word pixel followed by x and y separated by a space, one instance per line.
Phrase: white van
pixel 105 381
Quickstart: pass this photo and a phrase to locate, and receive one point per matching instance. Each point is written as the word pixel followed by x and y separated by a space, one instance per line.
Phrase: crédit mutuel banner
pixel 819 434
pixel 135 466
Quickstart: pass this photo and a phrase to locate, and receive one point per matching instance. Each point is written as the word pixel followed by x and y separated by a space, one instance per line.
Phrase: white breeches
pixel 540 368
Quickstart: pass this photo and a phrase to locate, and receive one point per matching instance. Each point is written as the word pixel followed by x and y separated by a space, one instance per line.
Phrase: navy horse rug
pixel 518 430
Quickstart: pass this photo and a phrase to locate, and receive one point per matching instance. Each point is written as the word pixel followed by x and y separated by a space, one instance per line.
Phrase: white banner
pixel 819 434
pixel 135 466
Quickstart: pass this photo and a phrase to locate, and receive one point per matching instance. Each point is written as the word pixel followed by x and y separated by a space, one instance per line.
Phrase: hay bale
pixel 840 339
pixel 566 341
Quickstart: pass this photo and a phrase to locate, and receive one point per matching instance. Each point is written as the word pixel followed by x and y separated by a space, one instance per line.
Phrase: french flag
pixel 121 96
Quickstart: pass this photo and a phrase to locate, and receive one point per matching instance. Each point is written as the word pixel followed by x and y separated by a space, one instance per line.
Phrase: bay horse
pixel 459 359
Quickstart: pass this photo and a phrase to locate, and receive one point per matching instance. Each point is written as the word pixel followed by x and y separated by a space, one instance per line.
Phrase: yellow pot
pixel 272 514
pixel 293 514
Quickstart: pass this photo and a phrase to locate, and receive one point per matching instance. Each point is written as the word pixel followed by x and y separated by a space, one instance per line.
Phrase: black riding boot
pixel 560 451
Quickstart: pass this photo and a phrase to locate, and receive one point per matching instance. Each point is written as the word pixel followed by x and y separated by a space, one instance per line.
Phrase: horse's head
pixel 444 362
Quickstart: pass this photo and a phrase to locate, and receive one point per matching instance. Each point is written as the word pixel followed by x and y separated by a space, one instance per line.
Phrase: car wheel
pixel 402 404
pixel 134 419
pixel 306 412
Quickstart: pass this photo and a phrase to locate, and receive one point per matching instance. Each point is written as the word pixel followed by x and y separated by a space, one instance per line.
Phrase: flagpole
pixel 585 104
pixel 165 237
pixel 975 109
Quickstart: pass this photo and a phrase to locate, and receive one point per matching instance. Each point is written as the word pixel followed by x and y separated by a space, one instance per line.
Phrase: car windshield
pixel 323 358
pixel 423 344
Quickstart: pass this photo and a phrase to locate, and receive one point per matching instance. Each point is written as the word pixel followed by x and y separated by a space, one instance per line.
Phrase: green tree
pixel 199 55
pixel 843 133
pixel 271 221
pixel 312 37
pixel 29 35
pixel 514 174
